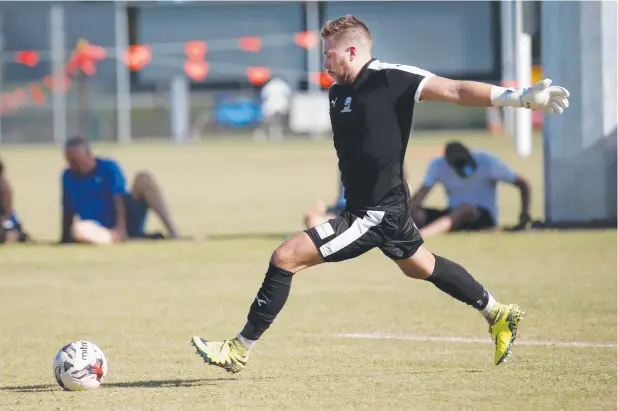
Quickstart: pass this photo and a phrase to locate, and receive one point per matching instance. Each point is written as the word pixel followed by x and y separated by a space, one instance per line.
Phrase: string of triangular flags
pixel 85 56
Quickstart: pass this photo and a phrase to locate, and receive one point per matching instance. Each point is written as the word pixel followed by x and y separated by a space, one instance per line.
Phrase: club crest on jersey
pixel 346 105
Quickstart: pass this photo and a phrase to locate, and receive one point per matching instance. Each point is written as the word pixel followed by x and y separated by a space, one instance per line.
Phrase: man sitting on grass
pixel 470 180
pixel 94 189
pixel 10 227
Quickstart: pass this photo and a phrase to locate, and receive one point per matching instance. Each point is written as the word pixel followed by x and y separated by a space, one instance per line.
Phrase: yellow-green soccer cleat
pixel 230 355
pixel 504 330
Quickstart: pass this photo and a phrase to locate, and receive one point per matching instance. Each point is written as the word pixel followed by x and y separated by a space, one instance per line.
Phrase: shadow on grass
pixel 31 388
pixel 249 236
pixel 187 239
pixel 168 383
pixel 134 384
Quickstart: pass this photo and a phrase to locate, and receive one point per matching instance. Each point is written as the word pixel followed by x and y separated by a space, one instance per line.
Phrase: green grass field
pixel 354 335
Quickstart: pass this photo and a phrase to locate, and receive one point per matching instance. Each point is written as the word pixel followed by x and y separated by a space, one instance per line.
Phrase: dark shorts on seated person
pixel 136 212
pixel 484 220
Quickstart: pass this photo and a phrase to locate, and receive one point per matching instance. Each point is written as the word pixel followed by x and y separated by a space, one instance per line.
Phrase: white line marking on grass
pixel 466 340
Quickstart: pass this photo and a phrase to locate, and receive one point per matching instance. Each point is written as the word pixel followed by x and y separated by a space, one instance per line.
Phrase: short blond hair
pixel 347 24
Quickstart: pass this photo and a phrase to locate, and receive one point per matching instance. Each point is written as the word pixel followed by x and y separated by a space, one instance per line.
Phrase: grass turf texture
pixel 142 302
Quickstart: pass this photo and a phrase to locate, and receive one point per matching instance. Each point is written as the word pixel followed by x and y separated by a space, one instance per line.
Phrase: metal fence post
pixel 57 37
pixel 123 76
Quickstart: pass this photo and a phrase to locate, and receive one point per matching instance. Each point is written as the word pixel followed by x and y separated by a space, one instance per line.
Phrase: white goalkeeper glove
pixel 542 96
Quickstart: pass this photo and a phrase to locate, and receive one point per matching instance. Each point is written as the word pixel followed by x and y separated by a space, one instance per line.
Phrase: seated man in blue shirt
pixel 94 189
pixel 10 227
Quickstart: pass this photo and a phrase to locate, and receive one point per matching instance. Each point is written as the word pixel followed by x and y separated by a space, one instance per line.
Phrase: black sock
pixel 454 280
pixel 269 301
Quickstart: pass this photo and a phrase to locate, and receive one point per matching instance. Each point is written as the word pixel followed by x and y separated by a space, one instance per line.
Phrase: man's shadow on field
pixel 189 239
pixel 177 382
pixel 249 236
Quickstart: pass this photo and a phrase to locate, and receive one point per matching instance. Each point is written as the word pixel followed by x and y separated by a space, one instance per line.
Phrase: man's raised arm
pixel 541 96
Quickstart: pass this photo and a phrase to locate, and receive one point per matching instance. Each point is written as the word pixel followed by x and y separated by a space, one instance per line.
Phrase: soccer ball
pixel 80 366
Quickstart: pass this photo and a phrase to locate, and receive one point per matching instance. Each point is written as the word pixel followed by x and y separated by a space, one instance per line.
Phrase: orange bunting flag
pixel 88 67
pixel 6 103
pixel 258 75
pixel 81 61
pixel 93 52
pixel 251 44
pixel 38 96
pixel 27 58
pixel 19 96
pixel 137 57
pixel 196 50
pixel 64 86
pixel 306 39
pixel 84 58
pixel 72 63
pixel 197 70
pixel 323 79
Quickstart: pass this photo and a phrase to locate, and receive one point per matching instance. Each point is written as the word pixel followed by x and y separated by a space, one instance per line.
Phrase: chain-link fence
pixel 227 103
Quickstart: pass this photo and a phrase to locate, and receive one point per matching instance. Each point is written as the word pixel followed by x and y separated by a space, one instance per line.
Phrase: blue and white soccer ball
pixel 80 366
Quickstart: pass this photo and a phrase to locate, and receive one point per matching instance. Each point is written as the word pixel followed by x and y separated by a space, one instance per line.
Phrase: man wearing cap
pixel 470 180
pixel 94 189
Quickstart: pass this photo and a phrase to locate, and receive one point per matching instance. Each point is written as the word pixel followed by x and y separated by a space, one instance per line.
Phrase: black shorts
pixel 484 221
pixel 354 232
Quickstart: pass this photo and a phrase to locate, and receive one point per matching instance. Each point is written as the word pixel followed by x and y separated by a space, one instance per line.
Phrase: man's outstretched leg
pixel 454 280
pixel 294 255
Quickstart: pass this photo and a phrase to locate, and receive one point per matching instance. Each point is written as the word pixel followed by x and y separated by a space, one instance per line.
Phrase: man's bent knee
pixel 420 266
pixel 143 177
pixel 296 254
pixel 143 182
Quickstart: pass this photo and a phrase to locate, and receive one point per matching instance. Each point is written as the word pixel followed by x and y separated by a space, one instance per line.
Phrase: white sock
pixel 490 306
pixel 249 344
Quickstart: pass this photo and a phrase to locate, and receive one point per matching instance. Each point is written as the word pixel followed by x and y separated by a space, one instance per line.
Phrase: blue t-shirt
pixel 90 196
pixel 341 200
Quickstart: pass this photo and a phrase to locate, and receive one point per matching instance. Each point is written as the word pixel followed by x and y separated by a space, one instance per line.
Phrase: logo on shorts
pixel 346 105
